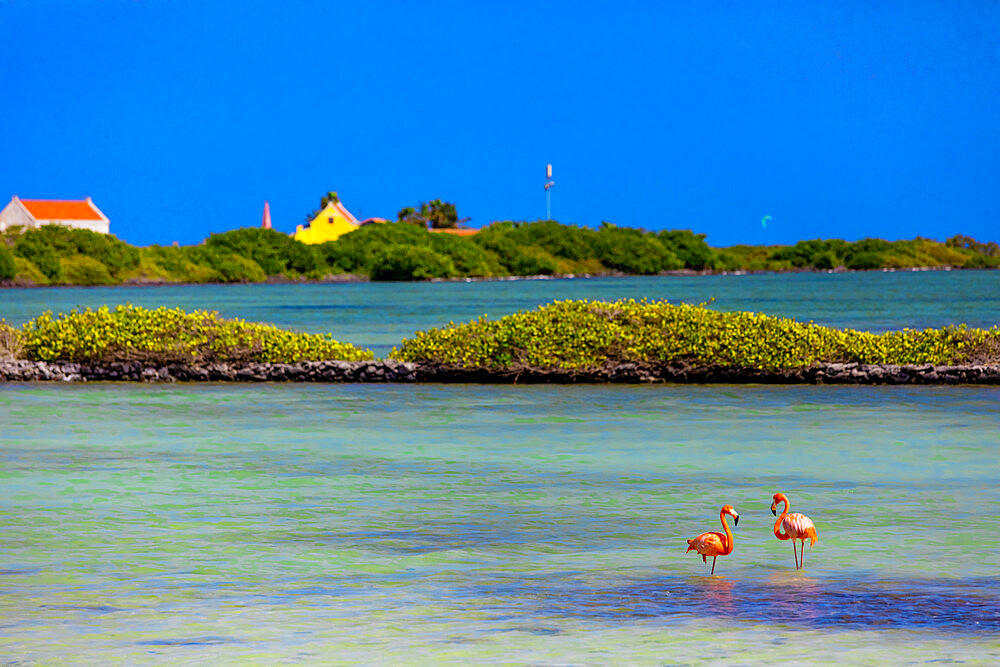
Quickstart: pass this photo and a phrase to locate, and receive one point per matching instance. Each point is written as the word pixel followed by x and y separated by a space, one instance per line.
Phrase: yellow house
pixel 329 224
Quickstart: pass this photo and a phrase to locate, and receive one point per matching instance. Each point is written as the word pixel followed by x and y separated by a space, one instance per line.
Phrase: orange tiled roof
pixel 457 231
pixel 61 209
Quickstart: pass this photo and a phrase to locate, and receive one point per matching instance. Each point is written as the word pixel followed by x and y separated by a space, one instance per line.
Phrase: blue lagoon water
pixel 463 523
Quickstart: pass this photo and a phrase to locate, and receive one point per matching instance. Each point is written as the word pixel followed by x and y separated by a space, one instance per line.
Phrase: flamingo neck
pixel 729 534
pixel 781 517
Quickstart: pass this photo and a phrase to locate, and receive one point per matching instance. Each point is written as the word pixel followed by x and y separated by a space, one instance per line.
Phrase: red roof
pixel 457 231
pixel 347 214
pixel 61 209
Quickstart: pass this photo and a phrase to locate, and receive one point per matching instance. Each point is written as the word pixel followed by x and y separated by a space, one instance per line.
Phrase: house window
pixel 329 220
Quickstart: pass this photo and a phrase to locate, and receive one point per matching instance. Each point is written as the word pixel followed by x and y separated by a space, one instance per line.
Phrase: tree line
pixel 409 250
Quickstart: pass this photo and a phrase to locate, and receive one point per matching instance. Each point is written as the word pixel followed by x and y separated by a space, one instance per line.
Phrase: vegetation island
pixel 430 243
pixel 565 341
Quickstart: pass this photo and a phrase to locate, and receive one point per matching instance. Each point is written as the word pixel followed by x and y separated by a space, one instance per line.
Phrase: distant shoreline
pixel 355 278
pixel 392 371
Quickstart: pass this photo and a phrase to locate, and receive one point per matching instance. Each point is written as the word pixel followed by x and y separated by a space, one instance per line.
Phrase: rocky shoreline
pixel 389 370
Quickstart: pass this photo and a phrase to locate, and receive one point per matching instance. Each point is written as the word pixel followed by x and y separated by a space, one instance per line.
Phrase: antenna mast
pixel 548 195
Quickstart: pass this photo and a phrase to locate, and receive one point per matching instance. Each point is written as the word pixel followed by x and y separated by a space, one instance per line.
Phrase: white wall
pixel 13 214
pixel 100 226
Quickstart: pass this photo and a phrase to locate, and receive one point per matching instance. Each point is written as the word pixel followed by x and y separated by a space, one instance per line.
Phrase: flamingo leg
pixel 803 553
pixel 796 553
pixel 713 564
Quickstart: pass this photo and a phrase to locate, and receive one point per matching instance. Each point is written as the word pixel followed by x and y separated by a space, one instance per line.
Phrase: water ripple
pixel 966 606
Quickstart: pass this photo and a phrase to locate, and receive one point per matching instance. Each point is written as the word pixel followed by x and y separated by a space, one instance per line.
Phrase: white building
pixel 31 213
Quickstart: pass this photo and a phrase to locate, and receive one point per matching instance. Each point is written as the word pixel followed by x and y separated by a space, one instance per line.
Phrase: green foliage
pixel 563 241
pixel 54 254
pixel 690 248
pixel 275 253
pixel 206 263
pixel 982 262
pixel 41 255
pixel 991 249
pixel 530 248
pixel 27 271
pixel 84 270
pixel 8 268
pixel 436 214
pixel 824 260
pixel 403 262
pixel 170 335
pixel 181 264
pixel 400 251
pixel 586 334
pixel 816 253
pixel 866 261
pixel 229 267
pixel 468 259
pixel 11 342
pixel 512 258
pixel 633 251
pixel 49 244
pixel 355 252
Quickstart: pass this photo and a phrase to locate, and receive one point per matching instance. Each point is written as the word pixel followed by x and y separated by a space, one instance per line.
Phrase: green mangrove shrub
pixel 11 342
pixel 274 252
pixel 8 268
pixel 401 262
pixel 171 335
pixel 84 270
pixel 590 334
pixel 49 244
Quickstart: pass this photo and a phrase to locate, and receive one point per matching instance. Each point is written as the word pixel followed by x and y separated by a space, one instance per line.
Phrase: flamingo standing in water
pixel 716 544
pixel 796 526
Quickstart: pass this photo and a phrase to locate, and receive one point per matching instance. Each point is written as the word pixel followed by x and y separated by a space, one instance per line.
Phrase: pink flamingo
pixel 716 544
pixel 796 526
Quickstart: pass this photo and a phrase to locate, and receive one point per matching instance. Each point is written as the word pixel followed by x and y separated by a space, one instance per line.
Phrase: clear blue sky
pixel 837 119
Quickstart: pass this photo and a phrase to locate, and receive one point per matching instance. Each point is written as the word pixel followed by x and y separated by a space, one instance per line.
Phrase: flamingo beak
pixel 774 511
pixel 736 520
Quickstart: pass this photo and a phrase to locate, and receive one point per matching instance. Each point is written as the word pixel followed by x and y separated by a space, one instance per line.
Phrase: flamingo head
pixel 778 498
pixel 728 509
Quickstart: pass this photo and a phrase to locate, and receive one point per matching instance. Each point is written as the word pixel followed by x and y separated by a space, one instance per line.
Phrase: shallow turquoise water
pixel 379 315
pixel 518 524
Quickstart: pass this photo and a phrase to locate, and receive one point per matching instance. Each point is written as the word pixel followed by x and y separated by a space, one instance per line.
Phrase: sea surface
pixel 518 524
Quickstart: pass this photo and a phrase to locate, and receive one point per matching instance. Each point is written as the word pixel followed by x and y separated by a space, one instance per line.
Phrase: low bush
pixel 558 240
pixel 176 264
pixel 211 264
pixel 404 262
pixel 690 248
pixel 633 251
pixel 232 268
pixel 8 268
pixel 355 251
pixel 49 244
pixel 274 252
pixel 866 261
pixel 170 335
pixel 983 262
pixel 469 259
pixel 26 270
pixel 586 334
pixel 514 259
pixel 43 257
pixel 84 270
pixel 11 342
